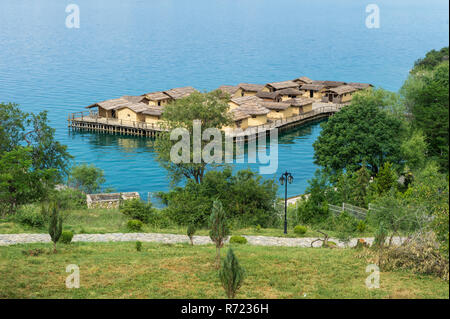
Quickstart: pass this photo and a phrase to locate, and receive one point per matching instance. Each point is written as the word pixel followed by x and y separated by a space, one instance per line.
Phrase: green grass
pixel 117 270
pixel 100 221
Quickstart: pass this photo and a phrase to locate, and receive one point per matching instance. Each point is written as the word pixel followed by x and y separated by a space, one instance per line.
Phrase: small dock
pixel 90 121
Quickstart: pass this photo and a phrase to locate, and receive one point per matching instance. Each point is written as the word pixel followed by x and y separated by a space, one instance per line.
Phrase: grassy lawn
pixel 117 270
pixel 101 221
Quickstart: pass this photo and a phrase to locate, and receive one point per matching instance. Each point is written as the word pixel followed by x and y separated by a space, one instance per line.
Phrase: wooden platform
pixel 92 122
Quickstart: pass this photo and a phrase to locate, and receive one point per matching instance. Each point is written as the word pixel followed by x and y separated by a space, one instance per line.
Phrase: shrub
pixel 137 209
pixel 66 237
pixel 258 228
pixel 231 274
pixel 69 198
pixel 138 245
pixel 30 215
pixel 134 225
pixel 238 240
pixel 190 232
pixel 361 226
pixel 380 237
pixel 86 178
pixel 55 225
pixel 300 230
pixel 247 198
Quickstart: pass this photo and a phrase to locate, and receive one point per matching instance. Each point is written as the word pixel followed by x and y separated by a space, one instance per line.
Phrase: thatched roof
pixel 312 87
pixel 330 84
pixel 300 101
pixel 133 99
pixel 290 91
pixel 267 95
pixel 282 85
pixel 360 86
pixel 275 105
pixel 253 108
pixel 110 104
pixel 238 115
pixel 178 93
pixel 135 107
pixel 250 87
pixel 157 96
pixel 245 99
pixel 230 89
pixel 303 79
pixel 343 89
pixel 274 95
pixel 153 110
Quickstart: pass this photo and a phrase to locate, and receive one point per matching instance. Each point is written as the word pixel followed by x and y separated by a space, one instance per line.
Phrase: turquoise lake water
pixel 134 47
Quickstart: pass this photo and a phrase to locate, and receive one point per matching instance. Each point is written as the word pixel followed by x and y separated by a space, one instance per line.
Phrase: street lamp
pixel 285 179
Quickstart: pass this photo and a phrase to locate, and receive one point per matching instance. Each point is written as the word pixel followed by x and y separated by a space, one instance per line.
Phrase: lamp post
pixel 285 179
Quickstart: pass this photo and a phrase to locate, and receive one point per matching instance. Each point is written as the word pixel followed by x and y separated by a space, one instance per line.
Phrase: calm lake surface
pixel 133 47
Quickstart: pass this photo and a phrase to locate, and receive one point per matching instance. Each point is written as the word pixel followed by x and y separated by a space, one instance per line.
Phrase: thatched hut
pixel 238 101
pixel 108 108
pixel 157 98
pixel 257 113
pixel 300 105
pixel 303 80
pixel 275 86
pixel 178 93
pixel 247 89
pixel 313 90
pixel 360 86
pixel 340 94
pixel 280 95
pixel 278 110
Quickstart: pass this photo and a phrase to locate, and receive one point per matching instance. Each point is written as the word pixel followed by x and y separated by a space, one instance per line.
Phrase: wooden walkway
pixel 92 122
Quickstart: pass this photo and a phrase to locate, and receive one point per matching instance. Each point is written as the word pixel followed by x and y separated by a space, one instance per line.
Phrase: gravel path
pixel 11 239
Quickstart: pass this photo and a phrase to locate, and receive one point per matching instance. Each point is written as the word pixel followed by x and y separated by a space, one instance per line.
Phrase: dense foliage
pixel 138 210
pixel 247 198
pixel 31 160
pixel 363 132
pixel 86 178
pixel 426 97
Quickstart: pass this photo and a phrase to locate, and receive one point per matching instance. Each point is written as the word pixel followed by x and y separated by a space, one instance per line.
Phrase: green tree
pixel 426 97
pixel 12 126
pixel 431 60
pixel 385 180
pixel 20 183
pixel 246 196
pixel 231 274
pixel 191 229
pixel 55 225
pixel 360 189
pixel 18 128
pixel 362 132
pixel 219 230
pixel 208 108
pixel 87 178
pixel 414 150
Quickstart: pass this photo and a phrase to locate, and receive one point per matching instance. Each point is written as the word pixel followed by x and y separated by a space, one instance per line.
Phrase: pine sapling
pixel 190 232
pixel 55 226
pixel 231 274
pixel 219 229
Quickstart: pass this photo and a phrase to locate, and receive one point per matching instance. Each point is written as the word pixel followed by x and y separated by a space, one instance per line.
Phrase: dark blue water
pixel 131 47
